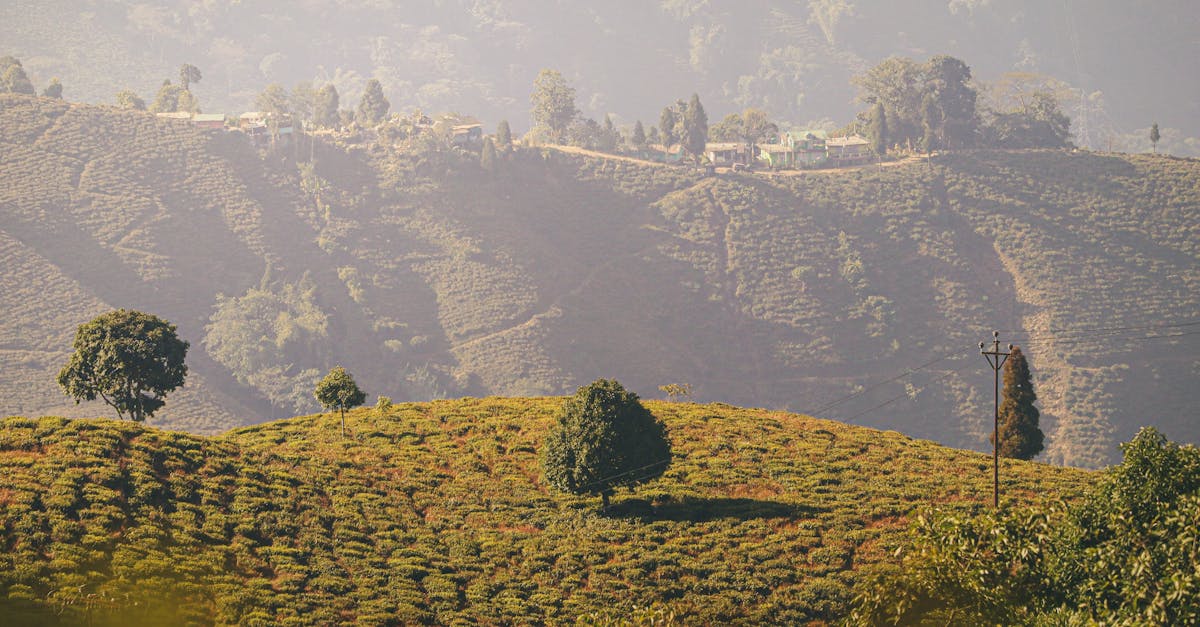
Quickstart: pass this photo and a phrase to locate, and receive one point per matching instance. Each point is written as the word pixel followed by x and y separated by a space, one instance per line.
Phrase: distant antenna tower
pixel 1085 138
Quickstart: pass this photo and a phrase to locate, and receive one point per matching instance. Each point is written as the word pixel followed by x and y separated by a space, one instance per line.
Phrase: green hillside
pixel 436 513
pixel 426 276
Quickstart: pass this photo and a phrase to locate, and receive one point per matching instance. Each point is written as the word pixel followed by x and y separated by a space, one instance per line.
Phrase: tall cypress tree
pixel 695 128
pixel 1020 436
pixel 877 131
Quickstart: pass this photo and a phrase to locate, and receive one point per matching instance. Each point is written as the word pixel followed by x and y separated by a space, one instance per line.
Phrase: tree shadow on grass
pixel 692 509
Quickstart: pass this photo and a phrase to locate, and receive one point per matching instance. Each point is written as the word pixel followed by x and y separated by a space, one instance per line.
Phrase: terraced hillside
pixel 436 513
pixel 427 276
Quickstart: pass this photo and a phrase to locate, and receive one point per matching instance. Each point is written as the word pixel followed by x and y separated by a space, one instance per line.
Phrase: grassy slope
pixel 437 278
pixel 436 512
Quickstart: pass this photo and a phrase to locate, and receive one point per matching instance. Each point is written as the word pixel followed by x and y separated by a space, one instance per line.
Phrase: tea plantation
pixel 437 513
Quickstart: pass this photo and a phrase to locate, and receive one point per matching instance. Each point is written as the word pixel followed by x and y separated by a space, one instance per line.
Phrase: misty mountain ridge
pixel 427 275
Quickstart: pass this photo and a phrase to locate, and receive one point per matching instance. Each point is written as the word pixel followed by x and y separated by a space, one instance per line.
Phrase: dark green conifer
pixel 1020 436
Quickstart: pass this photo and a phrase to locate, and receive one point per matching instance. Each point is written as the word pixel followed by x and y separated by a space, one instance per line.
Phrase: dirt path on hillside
pixel 604 155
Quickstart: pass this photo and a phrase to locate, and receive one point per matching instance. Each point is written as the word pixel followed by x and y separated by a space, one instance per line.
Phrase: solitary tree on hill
pixel 339 391
pixel 1154 136
pixel 1020 436
pixel 373 107
pixel 605 439
pixel 553 103
pixel 54 89
pixel 127 358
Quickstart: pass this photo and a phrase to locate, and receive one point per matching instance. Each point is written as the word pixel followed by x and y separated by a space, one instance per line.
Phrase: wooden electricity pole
pixel 996 360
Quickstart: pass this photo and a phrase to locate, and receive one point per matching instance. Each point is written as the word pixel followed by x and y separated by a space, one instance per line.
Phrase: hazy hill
pixel 426 276
pixel 436 513
pixel 627 58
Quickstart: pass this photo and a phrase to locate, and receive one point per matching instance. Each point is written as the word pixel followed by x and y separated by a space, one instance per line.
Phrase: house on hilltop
pixel 847 150
pixel 727 154
pixel 466 134
pixel 213 121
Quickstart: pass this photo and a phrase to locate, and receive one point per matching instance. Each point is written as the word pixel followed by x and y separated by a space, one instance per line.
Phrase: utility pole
pixel 996 360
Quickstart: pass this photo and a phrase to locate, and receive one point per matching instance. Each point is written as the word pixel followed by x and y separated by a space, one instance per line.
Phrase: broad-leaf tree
pixel 605 439
pixel 325 106
pixel 188 74
pixel 339 391
pixel 1126 554
pixel 128 99
pixel 553 103
pixel 129 359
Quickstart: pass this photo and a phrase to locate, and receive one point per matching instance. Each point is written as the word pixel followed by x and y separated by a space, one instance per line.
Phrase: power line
pixel 907 372
pixel 1076 331
pixel 905 394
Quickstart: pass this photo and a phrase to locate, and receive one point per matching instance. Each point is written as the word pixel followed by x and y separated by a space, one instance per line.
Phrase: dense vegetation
pixel 437 512
pixel 1124 555
pixel 426 275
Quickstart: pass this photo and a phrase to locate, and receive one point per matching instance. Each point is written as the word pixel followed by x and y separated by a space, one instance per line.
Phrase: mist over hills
pixel 1128 64
pixel 427 276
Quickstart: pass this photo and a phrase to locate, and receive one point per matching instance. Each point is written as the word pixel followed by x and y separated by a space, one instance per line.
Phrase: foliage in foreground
pixel 1126 554
pixel 436 513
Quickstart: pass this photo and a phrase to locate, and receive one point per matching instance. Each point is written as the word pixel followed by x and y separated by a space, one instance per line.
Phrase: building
pixel 847 150
pixel 467 134
pixel 214 121
pixel 727 154
pixel 174 115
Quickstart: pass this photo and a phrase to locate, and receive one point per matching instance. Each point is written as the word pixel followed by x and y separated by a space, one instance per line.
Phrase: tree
pixel 188 74
pixel 931 121
pixel 898 84
pixel 695 128
pixel 609 138
pixel 487 156
pixel 1125 554
pixel 167 99
pixel 325 107
pixel 14 80
pixel 373 107
pixel 503 136
pixel 339 391
pixel 668 125
pixel 303 100
pixel 638 138
pixel 274 100
pixel 553 103
pixel 128 99
pixel 54 89
pixel 877 130
pixel 948 81
pixel 604 439
pixel 129 359
pixel 1154 136
pixel 755 127
pixel 1020 437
